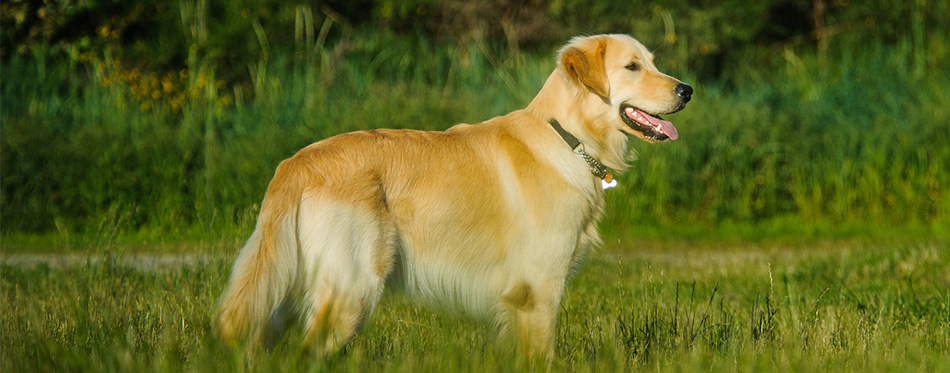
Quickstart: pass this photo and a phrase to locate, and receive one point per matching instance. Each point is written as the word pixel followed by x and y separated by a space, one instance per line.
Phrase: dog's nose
pixel 684 91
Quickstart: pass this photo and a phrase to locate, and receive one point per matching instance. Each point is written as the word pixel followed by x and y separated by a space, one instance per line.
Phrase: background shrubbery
pixel 167 119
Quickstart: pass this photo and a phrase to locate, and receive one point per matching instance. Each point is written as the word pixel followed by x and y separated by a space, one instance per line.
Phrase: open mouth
pixel 651 126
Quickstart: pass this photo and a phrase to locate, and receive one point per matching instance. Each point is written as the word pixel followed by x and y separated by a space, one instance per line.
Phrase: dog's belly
pixel 473 291
pixel 458 261
pixel 468 267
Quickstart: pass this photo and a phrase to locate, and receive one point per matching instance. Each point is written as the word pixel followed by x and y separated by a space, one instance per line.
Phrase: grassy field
pixel 800 223
pixel 655 305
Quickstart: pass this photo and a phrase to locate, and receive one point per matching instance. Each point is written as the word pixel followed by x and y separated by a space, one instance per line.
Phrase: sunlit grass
pixel 651 305
pixel 800 223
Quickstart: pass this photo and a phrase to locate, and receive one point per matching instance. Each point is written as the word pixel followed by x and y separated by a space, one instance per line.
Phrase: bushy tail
pixel 265 269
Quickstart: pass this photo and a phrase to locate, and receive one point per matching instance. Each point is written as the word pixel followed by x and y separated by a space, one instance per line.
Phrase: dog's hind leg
pixel 348 252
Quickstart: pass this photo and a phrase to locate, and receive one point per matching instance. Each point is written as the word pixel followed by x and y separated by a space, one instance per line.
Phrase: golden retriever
pixel 486 219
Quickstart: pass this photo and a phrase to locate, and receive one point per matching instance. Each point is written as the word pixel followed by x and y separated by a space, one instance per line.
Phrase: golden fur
pixel 488 219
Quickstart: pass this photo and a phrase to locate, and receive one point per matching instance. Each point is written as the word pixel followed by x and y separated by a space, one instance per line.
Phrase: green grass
pixel 801 222
pixel 656 305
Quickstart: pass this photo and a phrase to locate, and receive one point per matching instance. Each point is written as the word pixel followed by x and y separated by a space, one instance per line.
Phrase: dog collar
pixel 596 168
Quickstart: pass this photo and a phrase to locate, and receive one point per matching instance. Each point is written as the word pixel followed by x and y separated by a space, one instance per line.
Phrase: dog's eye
pixel 633 66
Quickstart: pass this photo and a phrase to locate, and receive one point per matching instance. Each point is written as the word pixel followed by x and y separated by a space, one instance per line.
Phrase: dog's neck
pixel 551 105
pixel 564 100
pixel 552 101
pixel 561 100
pixel 596 168
pixel 571 141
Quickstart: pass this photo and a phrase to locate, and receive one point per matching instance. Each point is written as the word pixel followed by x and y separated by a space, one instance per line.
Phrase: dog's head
pixel 620 90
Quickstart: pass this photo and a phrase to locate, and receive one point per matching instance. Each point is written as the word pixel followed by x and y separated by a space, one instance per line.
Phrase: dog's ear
pixel 584 60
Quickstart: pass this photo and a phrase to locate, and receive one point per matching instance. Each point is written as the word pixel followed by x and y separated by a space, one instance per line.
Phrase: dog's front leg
pixel 529 319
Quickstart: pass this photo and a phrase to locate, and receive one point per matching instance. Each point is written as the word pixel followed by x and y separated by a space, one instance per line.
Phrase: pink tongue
pixel 665 126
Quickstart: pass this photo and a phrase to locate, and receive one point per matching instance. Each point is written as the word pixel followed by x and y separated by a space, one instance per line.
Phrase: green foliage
pixel 834 143
pixel 166 121
pixel 649 305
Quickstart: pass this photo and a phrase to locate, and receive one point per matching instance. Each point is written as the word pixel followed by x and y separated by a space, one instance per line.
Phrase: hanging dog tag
pixel 608 181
